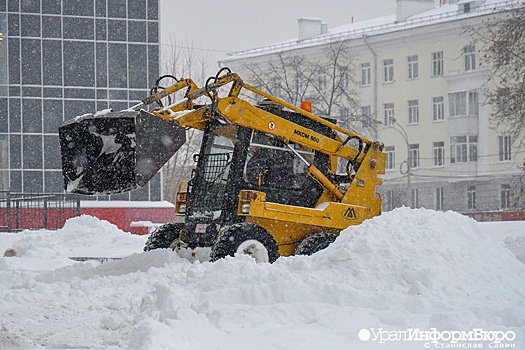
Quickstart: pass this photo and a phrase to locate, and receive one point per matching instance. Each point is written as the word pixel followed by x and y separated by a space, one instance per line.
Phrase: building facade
pixel 420 83
pixel 63 58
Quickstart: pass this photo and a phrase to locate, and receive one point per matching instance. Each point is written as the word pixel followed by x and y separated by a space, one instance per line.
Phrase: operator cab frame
pixel 233 158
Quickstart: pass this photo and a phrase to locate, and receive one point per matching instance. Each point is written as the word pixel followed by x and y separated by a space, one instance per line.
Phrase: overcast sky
pixel 221 26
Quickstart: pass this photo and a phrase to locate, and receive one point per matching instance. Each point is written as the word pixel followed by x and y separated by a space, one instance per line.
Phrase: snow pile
pixel 428 253
pixel 80 237
pixel 405 269
pixel 517 246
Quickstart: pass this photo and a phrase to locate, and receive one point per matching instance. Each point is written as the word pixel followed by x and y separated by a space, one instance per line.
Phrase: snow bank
pixel 79 233
pixel 517 246
pixel 429 253
pixel 405 269
pixel 83 236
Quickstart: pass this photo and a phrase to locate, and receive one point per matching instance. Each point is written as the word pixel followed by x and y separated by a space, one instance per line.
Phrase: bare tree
pixel 501 39
pixel 183 61
pixel 518 192
pixel 324 77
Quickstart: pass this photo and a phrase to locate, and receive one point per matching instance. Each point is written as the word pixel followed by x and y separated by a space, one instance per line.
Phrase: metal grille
pixel 20 211
pixel 215 168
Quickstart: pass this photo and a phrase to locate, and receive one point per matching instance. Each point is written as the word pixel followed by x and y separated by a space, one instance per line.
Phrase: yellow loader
pixel 270 180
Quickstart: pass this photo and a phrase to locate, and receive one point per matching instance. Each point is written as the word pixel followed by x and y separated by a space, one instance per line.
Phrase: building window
pixel 439 153
pixel 299 86
pixel 439 198
pixel 473 148
pixel 503 102
pixel 388 70
pixel 471 197
pixel 413 150
pixel 276 87
pixel 32 156
pixel 413 67
pixel 473 109
pixel 365 111
pixel 390 199
pixel 4 163
pixel 457 104
pixel 4 153
pixel 343 77
pixel 414 198
pixel 437 63
pixel 388 114
pixel 469 53
pixel 464 103
pixel 365 74
pixel 504 144
pixel 438 108
pixel 390 157
pixel 505 196
pixel 321 81
pixel 344 114
pixel 464 149
pixel 413 111
pixel 502 55
pixel 366 117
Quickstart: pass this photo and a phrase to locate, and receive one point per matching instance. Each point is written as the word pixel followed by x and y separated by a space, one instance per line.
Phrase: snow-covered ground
pixel 408 274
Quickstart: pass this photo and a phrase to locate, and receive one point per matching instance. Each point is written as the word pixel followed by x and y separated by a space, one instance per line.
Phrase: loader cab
pixel 234 158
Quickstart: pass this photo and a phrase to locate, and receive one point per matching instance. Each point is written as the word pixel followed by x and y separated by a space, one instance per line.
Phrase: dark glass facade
pixel 63 58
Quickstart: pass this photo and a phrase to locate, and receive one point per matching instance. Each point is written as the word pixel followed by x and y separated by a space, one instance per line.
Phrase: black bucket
pixel 115 152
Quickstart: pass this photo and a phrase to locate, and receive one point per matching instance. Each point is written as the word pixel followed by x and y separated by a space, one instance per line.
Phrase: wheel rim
pixel 255 249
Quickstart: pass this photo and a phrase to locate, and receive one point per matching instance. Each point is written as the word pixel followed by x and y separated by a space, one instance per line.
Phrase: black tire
pixel 314 243
pixel 245 238
pixel 164 236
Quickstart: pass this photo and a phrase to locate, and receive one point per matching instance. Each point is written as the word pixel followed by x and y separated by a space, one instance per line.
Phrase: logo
pixel 307 136
pixel 271 125
pixel 350 214
pixel 432 338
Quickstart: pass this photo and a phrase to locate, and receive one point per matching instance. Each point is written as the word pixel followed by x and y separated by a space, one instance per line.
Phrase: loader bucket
pixel 115 152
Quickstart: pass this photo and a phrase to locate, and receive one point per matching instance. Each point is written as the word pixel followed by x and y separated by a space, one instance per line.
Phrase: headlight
pixel 245 209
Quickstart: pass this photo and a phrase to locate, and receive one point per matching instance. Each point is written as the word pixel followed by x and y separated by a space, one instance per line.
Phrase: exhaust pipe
pixel 115 152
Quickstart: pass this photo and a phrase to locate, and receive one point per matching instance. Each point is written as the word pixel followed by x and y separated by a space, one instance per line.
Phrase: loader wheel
pixel 314 243
pixel 245 238
pixel 164 236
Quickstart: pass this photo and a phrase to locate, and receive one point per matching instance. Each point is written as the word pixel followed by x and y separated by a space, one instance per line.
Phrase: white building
pixel 419 79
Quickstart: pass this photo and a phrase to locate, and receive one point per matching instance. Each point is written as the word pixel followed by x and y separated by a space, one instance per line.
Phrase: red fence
pixel 20 211
pixel 50 211
pixel 124 213
pixel 497 216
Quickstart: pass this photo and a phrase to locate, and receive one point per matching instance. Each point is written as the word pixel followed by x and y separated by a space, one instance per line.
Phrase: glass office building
pixel 63 58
